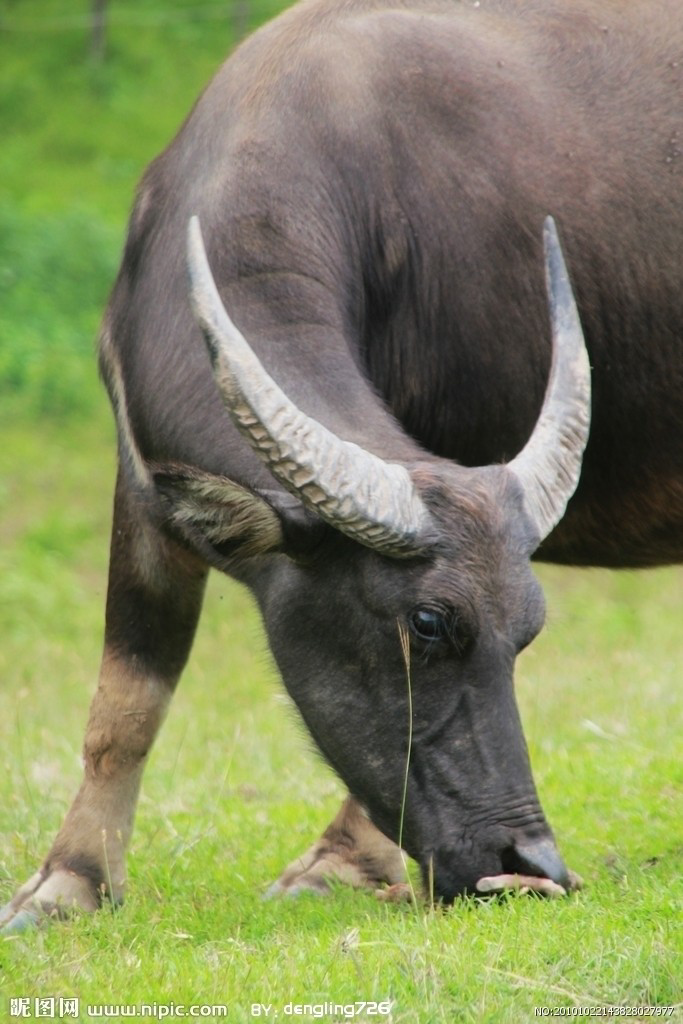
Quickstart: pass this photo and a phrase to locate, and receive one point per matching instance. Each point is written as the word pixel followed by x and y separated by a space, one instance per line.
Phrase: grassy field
pixel 233 790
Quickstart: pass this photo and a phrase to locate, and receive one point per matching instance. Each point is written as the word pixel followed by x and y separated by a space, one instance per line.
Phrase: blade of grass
pixel 404 638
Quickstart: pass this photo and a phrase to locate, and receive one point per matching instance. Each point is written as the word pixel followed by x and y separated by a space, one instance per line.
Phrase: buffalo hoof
pixel 47 896
pixel 350 860
pixel 318 871
pixel 351 851
pixel 402 892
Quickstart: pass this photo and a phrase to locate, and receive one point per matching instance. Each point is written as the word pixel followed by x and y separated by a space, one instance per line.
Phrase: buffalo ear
pixel 224 520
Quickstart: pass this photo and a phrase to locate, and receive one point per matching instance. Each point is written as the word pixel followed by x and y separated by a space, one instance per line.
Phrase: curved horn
pixel 372 501
pixel 549 465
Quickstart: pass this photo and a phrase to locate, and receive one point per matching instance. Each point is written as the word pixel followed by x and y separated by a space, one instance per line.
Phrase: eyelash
pixel 431 626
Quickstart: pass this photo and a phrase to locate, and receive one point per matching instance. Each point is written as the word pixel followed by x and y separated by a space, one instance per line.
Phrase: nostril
pixel 540 858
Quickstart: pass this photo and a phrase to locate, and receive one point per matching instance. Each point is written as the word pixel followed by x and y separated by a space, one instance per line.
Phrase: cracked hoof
pixel 47 896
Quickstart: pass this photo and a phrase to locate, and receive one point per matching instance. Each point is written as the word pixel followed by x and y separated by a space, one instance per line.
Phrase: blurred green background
pixel 82 111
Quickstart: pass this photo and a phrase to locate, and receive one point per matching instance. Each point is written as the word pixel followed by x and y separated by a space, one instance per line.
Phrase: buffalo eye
pixel 433 627
pixel 428 624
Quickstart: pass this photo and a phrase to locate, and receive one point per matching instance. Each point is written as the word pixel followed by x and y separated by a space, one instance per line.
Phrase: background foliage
pixel 76 135
pixel 233 791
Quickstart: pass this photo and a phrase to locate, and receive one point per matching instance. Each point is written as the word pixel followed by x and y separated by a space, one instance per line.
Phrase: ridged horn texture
pixel 372 501
pixel 549 465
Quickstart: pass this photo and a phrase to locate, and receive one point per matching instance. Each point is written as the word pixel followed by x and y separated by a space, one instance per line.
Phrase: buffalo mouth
pixel 536 867
pixel 497 885
pixel 520 867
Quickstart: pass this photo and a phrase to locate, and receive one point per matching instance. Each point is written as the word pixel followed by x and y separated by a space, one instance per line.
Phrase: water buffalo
pixel 373 454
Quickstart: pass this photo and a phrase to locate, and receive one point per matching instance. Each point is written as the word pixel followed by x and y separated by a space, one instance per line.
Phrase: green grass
pixel 233 792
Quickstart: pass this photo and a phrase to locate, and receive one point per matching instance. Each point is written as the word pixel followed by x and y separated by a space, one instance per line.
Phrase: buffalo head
pixel 425 733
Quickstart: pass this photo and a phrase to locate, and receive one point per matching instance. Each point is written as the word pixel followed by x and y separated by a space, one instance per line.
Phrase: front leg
pixel 153 603
pixel 351 850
